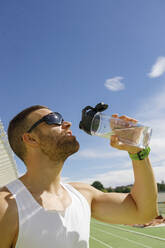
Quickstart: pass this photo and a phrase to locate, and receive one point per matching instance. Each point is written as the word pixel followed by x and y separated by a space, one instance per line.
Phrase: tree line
pixel 123 189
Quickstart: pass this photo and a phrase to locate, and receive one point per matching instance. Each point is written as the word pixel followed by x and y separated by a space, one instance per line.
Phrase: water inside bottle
pixel 138 136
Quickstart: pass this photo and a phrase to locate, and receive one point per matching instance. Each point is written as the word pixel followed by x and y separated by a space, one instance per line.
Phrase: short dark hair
pixel 17 127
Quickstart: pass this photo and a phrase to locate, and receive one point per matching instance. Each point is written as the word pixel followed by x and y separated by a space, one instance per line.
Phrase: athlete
pixel 38 211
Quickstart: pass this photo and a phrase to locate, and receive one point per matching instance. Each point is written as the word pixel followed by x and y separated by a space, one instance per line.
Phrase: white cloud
pixel 153 109
pixel 98 154
pixel 112 178
pixel 114 84
pixel 122 177
pixel 158 68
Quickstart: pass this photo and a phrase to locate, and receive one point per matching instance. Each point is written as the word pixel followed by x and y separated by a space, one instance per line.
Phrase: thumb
pixel 116 143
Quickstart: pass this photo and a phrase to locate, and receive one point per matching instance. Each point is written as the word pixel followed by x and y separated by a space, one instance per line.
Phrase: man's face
pixel 57 142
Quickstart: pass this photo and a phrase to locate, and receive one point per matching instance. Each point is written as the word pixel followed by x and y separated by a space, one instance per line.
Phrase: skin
pixel 44 161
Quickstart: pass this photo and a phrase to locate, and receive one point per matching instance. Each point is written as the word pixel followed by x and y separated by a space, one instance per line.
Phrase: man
pixel 38 211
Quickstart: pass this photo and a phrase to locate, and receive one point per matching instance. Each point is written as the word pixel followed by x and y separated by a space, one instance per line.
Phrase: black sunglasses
pixel 52 118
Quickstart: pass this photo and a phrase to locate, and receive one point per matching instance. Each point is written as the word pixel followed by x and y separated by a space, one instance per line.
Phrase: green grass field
pixel 120 236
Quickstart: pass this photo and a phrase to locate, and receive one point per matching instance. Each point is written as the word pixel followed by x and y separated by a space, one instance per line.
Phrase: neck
pixel 43 176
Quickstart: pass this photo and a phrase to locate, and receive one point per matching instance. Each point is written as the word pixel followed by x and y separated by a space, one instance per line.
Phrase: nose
pixel 66 124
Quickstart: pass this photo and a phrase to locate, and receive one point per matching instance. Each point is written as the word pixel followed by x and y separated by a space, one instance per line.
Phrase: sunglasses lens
pixel 54 118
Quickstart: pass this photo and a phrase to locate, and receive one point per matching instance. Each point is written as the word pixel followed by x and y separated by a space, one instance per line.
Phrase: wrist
pixel 140 155
pixel 135 151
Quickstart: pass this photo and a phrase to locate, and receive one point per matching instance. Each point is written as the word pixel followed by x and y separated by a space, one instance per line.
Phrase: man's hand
pixel 117 140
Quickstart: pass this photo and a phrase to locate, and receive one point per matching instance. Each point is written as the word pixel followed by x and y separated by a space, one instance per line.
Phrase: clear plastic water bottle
pixel 130 133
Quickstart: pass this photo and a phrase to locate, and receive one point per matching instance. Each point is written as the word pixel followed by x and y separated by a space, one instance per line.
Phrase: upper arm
pixel 117 208
pixel 7 219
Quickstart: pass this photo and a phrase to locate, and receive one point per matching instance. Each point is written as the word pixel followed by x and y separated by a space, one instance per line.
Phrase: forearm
pixel 144 190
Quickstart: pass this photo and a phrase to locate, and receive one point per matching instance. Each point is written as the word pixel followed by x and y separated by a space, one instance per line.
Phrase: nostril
pixel 66 124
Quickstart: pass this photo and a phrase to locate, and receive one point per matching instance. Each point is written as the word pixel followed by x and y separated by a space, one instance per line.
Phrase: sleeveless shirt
pixel 41 228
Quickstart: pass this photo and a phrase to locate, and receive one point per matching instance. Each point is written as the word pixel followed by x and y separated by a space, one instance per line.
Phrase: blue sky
pixel 69 54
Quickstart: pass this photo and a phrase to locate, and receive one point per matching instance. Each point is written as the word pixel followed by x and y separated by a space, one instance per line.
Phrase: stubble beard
pixel 58 148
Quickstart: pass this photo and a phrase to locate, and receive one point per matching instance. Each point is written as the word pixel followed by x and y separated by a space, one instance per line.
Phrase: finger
pixel 133 120
pixel 127 118
pixel 114 141
pixel 115 115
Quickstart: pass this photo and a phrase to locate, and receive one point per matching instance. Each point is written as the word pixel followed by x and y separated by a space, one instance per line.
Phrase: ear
pixel 29 139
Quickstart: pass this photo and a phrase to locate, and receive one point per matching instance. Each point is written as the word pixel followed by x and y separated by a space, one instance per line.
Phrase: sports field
pixel 119 236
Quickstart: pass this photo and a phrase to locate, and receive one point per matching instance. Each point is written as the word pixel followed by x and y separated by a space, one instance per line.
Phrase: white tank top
pixel 41 228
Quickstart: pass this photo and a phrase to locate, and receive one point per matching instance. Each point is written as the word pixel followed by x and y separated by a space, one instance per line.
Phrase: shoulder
pixel 82 186
pixel 87 190
pixel 85 187
pixel 8 206
pixel 8 214
pixel 7 200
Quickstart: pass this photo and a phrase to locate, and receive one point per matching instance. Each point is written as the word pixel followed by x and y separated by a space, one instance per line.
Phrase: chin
pixel 73 148
pixel 76 146
pixel 68 146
